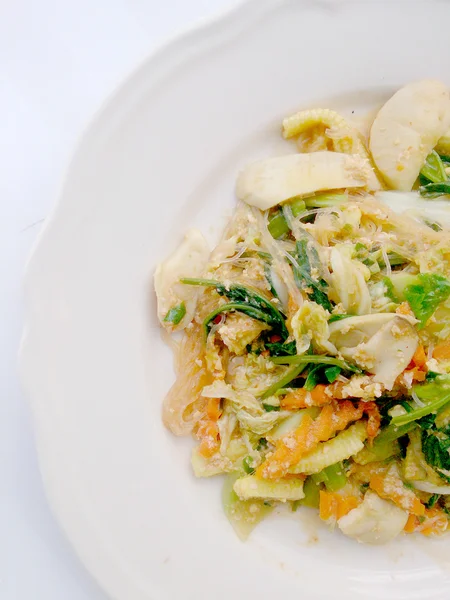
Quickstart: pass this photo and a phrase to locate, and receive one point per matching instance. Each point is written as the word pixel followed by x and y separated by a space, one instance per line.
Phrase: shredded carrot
pixel 213 409
pixel 301 398
pixel 411 524
pixel 418 374
pixel 334 506
pixel 390 487
pixel 419 358
pixel 208 434
pixel 290 449
pixel 434 522
pixel 442 351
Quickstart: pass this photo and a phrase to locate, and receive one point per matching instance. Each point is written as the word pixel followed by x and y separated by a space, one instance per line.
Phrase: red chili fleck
pixel 217 320
pixel 275 338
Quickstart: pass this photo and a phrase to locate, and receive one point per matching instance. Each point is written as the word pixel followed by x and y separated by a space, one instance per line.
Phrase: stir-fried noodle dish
pixel 313 342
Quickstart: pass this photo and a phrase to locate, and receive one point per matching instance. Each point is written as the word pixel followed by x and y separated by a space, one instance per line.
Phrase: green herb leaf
pixel 175 314
pixel 334 318
pixel 313 377
pixel 425 296
pixel 332 373
pixel 321 359
pixel 280 349
pixel 431 376
pixel 306 258
pixel 432 501
pixel 243 298
pixel 434 190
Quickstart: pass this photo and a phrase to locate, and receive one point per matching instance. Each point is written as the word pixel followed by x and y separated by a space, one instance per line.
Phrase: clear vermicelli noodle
pixel 314 364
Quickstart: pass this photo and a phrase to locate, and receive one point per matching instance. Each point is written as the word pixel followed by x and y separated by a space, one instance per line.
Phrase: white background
pixel 59 59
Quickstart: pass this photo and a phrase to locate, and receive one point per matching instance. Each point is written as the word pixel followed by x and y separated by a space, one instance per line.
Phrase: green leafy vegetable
pixel 246 300
pixel 434 190
pixel 175 314
pixel 290 374
pixel 313 377
pixel 432 501
pixel 280 349
pixel 332 373
pixel 321 359
pixel 433 169
pixel 334 318
pixel 435 447
pixel 425 296
pixel 306 258
pixel 436 396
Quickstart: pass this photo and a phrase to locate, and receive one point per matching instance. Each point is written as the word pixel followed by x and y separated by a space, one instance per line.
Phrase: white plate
pixel 162 155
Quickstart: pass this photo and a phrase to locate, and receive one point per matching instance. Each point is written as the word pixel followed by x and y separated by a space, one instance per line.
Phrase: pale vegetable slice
pixel 243 515
pixel 416 207
pixel 431 488
pixel 266 183
pixel 407 128
pixel 253 487
pixel 188 260
pixel 385 351
pixel 344 445
pixel 375 521
pixel 291 423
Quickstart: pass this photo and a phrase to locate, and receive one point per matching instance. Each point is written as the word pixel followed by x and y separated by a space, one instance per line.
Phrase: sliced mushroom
pixel 382 344
pixel 266 183
pixel 407 128
pixel 375 521
pixel 188 260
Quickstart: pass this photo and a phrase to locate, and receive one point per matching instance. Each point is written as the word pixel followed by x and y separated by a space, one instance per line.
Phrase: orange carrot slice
pixel 334 506
pixel 390 487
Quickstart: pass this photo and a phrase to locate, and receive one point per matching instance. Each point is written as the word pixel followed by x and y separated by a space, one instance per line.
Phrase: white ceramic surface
pixel 162 155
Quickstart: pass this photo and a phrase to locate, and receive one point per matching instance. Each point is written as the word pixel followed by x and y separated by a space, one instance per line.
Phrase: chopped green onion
pixel 277 225
pixel 312 493
pixel 175 314
pixel 325 200
pixel 333 477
